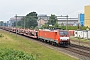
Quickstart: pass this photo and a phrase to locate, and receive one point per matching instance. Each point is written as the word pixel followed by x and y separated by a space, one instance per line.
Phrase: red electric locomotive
pixel 60 37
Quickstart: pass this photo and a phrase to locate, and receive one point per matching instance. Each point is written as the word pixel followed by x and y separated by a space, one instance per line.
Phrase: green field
pixel 82 40
pixel 41 52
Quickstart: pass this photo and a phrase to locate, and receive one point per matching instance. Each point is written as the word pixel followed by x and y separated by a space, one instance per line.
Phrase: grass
pixel 82 40
pixel 41 52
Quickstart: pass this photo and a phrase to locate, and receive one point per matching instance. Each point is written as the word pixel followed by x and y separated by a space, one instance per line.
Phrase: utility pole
pixel 23 18
pixel 16 25
pixel 24 22
pixel 40 21
pixel 67 22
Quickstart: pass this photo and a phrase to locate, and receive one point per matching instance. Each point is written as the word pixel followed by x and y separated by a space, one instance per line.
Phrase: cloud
pixel 75 13
pixel 10 13
pixel 8 8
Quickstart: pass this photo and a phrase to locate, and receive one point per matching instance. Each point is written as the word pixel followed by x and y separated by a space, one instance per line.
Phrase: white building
pixel 68 21
pixel 13 19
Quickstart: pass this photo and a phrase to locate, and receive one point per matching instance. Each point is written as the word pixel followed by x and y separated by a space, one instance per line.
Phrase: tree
pixel 56 25
pixel 52 20
pixel 62 24
pixel 45 25
pixel 1 23
pixel 29 20
pixel 32 14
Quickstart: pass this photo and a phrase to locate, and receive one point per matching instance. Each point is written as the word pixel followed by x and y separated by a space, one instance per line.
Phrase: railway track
pixel 76 49
pixel 79 51
pixel 80 47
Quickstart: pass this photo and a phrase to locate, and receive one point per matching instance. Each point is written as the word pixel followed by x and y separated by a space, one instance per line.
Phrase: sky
pixel 9 8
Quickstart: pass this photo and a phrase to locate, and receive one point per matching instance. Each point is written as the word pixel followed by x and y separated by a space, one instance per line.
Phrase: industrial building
pixel 42 19
pixel 81 19
pixel 87 15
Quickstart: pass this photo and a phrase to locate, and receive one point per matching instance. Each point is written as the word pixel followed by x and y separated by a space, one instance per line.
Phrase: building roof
pixel 87 6
pixel 44 17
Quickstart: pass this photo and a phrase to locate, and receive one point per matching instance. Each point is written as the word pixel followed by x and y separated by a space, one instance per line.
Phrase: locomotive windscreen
pixel 63 32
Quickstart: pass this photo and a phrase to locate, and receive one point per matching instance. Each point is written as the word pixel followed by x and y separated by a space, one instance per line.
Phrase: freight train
pixel 53 36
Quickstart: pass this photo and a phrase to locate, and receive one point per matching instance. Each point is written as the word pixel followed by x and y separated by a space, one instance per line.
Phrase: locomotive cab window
pixel 63 32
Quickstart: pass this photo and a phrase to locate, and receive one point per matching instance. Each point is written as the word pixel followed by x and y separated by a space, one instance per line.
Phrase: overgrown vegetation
pixel 1 35
pixel 64 27
pixel 81 39
pixel 11 54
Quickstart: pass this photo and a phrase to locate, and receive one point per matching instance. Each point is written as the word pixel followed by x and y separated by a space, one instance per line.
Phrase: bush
pixel 10 54
pixel 64 27
pixel 1 35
